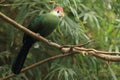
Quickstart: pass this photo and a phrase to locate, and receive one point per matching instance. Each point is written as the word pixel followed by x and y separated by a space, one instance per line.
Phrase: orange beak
pixel 62 15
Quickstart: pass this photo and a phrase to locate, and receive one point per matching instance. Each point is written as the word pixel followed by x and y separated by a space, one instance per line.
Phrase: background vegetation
pixel 84 20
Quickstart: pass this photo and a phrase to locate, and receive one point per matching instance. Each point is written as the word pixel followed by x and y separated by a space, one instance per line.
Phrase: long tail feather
pixel 20 59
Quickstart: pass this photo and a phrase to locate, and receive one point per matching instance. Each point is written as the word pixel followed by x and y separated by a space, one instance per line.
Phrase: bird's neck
pixel 54 13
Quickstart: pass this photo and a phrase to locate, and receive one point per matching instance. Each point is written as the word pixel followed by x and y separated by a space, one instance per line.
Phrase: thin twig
pixel 63 46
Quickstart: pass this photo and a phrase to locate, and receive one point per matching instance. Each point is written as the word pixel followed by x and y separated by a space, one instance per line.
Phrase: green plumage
pixel 44 25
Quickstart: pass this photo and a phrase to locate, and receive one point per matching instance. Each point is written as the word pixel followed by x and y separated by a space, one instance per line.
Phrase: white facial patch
pixel 57 13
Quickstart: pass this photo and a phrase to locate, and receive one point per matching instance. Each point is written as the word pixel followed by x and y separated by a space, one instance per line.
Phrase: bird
pixel 43 24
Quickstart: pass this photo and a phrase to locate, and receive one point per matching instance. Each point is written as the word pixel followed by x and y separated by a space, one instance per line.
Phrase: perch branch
pixel 63 49
pixel 109 56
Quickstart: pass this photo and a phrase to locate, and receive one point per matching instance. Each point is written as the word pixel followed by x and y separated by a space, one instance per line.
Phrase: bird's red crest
pixel 59 8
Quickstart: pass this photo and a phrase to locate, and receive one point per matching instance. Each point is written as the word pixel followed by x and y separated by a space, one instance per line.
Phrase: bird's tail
pixel 20 59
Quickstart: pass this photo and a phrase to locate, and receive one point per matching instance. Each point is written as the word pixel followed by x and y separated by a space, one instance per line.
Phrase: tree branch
pixel 64 49
pixel 109 56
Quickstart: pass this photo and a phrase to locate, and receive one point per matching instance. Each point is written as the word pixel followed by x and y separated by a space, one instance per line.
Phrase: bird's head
pixel 58 11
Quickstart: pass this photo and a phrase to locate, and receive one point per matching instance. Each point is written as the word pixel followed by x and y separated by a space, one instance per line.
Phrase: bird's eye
pixel 58 11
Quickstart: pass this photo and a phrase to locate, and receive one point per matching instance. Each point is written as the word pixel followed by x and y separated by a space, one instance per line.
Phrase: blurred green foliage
pixel 84 20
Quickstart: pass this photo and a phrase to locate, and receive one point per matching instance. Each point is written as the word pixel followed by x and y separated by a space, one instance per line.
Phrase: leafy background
pixel 84 20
